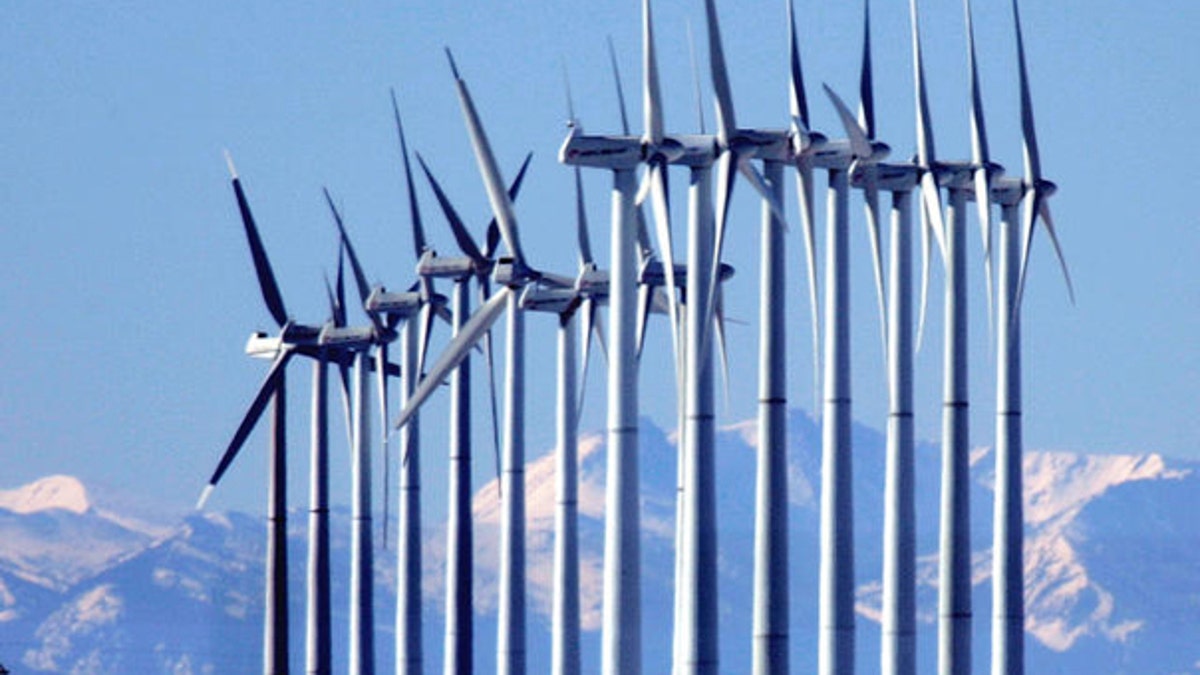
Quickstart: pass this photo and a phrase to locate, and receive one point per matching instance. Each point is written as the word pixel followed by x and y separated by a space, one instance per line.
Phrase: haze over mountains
pixel 88 584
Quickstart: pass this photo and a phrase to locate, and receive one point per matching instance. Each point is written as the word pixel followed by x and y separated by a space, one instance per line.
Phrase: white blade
pixel 804 188
pixel 931 198
pixel 860 145
pixel 662 220
pixel 759 183
pixel 652 92
pixel 457 350
pixel 726 125
pixel 871 194
pixel 926 255
pixel 983 201
pixel 497 194
pixel 1044 213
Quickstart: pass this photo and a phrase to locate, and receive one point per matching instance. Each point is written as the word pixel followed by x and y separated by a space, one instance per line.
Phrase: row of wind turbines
pixel 646 280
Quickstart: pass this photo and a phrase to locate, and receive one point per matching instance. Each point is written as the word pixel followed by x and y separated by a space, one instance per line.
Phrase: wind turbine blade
pixel 726 124
pixel 925 148
pixel 572 120
pixel 696 78
pixel 1044 213
pixel 979 143
pixel 339 318
pixel 652 92
pixel 866 89
pixel 643 316
pixel 381 363
pixel 427 314
pixel 465 243
pixel 797 99
pixel 759 182
pixel 262 265
pixel 343 359
pixel 581 224
pixel 457 350
pixel 360 278
pixel 585 333
pixel 931 198
pixel 1028 224
pixel 860 145
pixel 485 291
pixel 333 308
pixel 265 391
pixel 871 194
pixel 722 345
pixel 926 254
pixel 726 165
pixel 420 245
pixel 1033 162
pixel 612 57
pixel 804 188
pixel 590 325
pixel 980 157
pixel 662 218
pixel 501 204
pixel 983 200
pixel 493 231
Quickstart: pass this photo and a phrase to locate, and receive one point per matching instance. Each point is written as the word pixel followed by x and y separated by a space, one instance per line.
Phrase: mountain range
pixel 90 583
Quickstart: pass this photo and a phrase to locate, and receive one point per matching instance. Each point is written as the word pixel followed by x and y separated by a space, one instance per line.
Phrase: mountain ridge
pixel 1092 602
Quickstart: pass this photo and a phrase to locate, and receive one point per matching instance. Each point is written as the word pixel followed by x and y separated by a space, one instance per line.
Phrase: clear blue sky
pixel 126 290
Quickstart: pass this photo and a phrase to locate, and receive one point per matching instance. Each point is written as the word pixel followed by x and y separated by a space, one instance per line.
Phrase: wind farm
pixel 690 295
pixel 367 107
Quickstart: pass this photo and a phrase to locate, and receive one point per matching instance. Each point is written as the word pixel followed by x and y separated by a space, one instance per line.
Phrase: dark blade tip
pixel 453 65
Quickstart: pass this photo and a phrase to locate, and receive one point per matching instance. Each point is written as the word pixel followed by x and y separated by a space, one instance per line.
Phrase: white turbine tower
pixel 962 180
pixel 566 304
pixel 478 264
pixel 292 339
pixel 621 650
pixel 1008 571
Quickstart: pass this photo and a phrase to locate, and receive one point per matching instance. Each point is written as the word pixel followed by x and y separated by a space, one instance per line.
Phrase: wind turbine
pixel 771 609
pixel 473 264
pixel 514 274
pixel 362 566
pixel 1008 568
pixel 898 621
pixel 621 650
pixel 954 597
pixel 292 337
pixel 322 344
pixel 566 304
pixel 409 647
pixel 696 590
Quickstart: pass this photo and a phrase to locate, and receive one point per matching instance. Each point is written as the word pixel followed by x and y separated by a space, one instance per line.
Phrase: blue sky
pixel 127 292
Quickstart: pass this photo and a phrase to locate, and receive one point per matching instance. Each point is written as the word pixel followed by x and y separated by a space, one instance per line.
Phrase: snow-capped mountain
pixel 1112 579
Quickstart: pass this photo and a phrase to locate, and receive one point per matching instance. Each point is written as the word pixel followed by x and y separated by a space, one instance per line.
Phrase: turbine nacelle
pixel 768 144
pixel 653 273
pixel 889 177
pixel 402 305
pixel 431 266
pixel 605 152
pixel 348 339
pixel 1007 190
pixel 552 300
pixel 262 345
pixel 511 272
pixel 592 281
pixel 801 141
pixel 955 175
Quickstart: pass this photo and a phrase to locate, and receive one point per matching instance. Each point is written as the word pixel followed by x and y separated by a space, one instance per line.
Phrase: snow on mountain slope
pixel 1110 550
pixel 52 492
